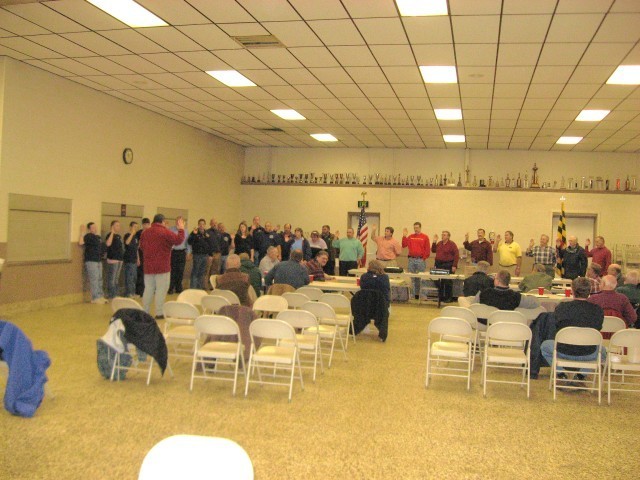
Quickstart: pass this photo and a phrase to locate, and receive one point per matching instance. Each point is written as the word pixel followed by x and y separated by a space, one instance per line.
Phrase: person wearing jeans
pixel 115 255
pixel 92 243
pixel 419 249
pixel 131 241
pixel 156 243
pixel 578 313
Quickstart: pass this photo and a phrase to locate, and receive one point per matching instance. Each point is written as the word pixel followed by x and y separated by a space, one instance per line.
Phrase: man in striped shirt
pixel 543 254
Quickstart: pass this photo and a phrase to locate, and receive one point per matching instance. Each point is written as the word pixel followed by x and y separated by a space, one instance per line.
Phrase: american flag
pixel 562 236
pixel 363 234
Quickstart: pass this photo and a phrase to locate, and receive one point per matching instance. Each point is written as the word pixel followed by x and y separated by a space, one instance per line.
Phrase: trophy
pixel 348 178
pixel 534 178
pixel 273 178
pixel 507 182
pixel 490 184
pixel 331 178
pixel 467 178
pixel 419 179
pixel 459 180
pixel 324 178
pixel 526 181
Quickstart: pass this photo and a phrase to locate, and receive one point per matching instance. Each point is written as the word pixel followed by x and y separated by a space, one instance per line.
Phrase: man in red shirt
pixel 599 254
pixel 156 243
pixel 418 245
pixel 447 256
pixel 614 303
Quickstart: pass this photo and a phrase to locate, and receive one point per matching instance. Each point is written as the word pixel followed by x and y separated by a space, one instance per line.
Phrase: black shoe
pixel 562 376
pixel 159 317
pixel 170 292
pixel 580 378
pixel 533 376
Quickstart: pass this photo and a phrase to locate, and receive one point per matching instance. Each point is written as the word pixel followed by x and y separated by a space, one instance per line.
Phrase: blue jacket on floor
pixel 27 367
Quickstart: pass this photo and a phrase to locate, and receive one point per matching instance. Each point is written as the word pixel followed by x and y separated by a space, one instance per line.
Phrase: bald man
pixel 574 258
pixel 614 303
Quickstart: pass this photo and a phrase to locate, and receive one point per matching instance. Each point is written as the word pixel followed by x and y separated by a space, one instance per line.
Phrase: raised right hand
pixel 405 232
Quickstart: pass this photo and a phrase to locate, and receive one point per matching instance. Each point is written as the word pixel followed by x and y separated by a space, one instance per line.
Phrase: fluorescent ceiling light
pixel 625 75
pixel 454 138
pixel 129 12
pixel 448 113
pixel 231 78
pixel 439 74
pixel 324 137
pixel 288 114
pixel 569 140
pixel 422 8
pixel 592 115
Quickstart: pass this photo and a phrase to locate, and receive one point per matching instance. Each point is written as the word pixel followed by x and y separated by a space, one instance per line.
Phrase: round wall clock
pixel 127 156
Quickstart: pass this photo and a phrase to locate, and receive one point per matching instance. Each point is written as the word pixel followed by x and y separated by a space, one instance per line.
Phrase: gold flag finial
pixel 364 194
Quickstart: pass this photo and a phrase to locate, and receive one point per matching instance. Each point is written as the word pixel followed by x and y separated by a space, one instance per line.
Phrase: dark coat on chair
pixel 141 329
pixel 367 305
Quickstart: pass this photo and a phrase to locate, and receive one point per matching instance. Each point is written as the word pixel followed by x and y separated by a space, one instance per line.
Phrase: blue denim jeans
pixel 130 279
pixel 546 349
pixel 198 269
pixel 416 265
pixel 223 263
pixel 113 278
pixel 94 275
pixel 158 285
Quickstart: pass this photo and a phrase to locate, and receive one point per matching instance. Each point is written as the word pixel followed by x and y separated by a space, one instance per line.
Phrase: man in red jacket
pixel 156 243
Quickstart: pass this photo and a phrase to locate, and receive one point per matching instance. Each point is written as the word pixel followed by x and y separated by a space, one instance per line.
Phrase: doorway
pixel 373 218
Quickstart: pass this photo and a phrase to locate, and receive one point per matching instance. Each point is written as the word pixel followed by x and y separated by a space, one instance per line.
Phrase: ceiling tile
pixel 404 90
pixel 345 90
pixel 18 25
pixel 314 56
pixel 96 43
pixel 382 31
pixel 578 90
pixel 204 60
pixel 61 45
pixel 476 54
pixel 514 74
pixel 574 28
pixel 619 27
pixel 171 39
pixel 524 28
pixel 314 91
pixel 475 29
pixel 29 48
pixel 297 76
pixel 133 41
pixel 374 90
pixel 353 56
pixel 42 64
pixel 276 58
pixel 174 13
pixel 578 6
pixel 476 90
pixel 104 65
pixel 243 29
pixel 239 59
pixel 552 74
pixel 331 75
pixel 85 14
pixel 73 66
pixel 5 51
pixel 209 36
pixel 441 54
pixel 337 32
pixel 293 34
pixel 273 10
pixel 611 54
pixel 44 17
pixel 136 64
pixel 169 80
pixel 509 90
pixel 403 75
pixel 477 7
pixel 394 55
pixel 591 74
pixel 561 53
pixel 476 74
pixel 263 77
pixel 169 62
pixel 442 90
pixel 518 54
pixel 199 79
pixel 314 10
pixel 512 7
pixel 427 30
pixel 88 83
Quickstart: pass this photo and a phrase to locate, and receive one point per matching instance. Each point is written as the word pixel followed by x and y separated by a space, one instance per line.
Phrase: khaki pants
pixel 388 263
pixel 511 269
pixel 213 268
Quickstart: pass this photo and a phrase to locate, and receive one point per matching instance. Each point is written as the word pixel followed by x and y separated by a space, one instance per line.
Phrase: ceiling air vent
pixel 270 129
pixel 259 41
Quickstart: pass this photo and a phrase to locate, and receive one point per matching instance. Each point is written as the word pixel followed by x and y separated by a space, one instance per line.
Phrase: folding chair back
pixel 270 304
pixel 612 324
pixel 337 301
pixel 456 327
pixel 579 336
pixel 482 311
pixel 460 312
pixel 456 351
pixel 531 313
pixel 506 316
pixel 123 302
pixel 180 311
pixel 216 325
pixel 228 294
pixel 298 319
pixel 272 329
pixel 623 364
pixel 508 331
pixel 192 296
pixel 295 300
pixel 320 310
pixel 313 293
pixel 213 303
pixel 496 356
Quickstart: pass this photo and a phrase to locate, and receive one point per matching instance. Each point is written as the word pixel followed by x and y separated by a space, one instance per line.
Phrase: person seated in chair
pixel 502 297
pixel 578 313
pixel 630 287
pixel 376 279
pixel 290 272
pixel 236 281
pixel 316 266
pixel 594 276
pixel 478 281
pixel 537 279
pixel 614 303
pixel 616 270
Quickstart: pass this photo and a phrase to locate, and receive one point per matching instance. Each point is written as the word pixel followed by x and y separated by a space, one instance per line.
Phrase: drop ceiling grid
pixel 525 74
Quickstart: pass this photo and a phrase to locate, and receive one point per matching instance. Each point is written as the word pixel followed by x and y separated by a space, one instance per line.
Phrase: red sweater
pixel 418 244
pixel 601 256
pixel 156 243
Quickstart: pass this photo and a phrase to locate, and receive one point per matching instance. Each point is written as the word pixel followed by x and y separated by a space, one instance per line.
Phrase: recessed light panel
pixel 454 138
pixel 448 113
pixel 625 75
pixel 569 140
pixel 592 115
pixel 422 8
pixel 287 114
pixel 231 78
pixel 129 12
pixel 324 137
pixel 439 74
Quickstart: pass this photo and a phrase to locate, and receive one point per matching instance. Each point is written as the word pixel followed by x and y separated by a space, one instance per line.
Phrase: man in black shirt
pixel 215 257
pixel 200 243
pixel 92 243
pixel 478 281
pixel 146 223
pixel 115 255
pixel 226 243
pixel 577 313
pixel 131 242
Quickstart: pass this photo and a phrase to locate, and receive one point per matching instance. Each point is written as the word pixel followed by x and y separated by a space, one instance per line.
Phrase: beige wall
pixel 62 139
pixel 527 213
